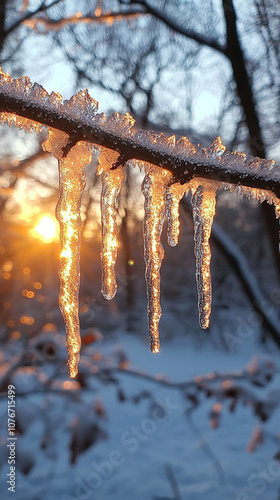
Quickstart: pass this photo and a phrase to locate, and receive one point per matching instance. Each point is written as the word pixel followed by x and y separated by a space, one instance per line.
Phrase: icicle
pixel 21 123
pixel 111 185
pixel 71 185
pixel 203 203
pixel 154 187
pixel 174 194
pixel 256 194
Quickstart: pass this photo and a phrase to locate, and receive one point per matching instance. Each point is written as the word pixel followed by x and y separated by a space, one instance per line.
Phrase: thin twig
pixel 207 450
pixel 171 23
pixel 42 8
pixel 196 382
pixel 56 24
pixel 172 480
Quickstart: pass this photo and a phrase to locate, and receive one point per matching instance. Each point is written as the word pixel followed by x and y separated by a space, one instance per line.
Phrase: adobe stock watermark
pixel 130 441
pixel 12 439
pixel 260 481
pixel 247 327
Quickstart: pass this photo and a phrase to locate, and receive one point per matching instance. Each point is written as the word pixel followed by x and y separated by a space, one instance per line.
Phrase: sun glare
pixel 46 229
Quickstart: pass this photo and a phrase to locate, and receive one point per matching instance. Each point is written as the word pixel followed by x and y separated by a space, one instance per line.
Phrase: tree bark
pixel 245 93
pixel 3 7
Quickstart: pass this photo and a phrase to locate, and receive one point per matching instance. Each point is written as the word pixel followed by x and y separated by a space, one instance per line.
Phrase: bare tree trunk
pixel 3 7
pixel 245 93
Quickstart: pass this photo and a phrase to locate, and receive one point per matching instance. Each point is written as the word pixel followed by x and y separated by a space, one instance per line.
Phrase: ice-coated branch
pixel 78 118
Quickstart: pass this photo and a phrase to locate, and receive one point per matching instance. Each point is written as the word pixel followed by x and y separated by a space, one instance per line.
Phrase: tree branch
pixel 42 8
pixel 171 23
pixel 242 79
pixel 246 96
pixel 3 7
pixel 78 119
pixel 199 382
pixel 109 17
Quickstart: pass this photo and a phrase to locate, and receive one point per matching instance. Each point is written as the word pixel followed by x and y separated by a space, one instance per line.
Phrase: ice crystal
pixel 81 106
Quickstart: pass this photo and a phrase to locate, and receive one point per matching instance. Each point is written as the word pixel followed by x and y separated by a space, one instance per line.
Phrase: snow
pixel 207 463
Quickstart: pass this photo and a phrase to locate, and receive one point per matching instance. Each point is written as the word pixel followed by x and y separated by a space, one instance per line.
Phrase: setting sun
pixel 47 228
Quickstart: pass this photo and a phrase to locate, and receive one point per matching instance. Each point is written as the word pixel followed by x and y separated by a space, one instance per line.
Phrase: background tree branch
pixel 171 23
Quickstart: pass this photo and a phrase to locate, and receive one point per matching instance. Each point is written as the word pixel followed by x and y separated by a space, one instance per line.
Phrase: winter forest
pixel 139 249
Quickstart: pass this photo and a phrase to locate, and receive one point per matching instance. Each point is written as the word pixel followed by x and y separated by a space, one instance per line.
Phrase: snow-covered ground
pixel 146 442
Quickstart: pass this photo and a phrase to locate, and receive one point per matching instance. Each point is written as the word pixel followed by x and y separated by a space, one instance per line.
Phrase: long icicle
pixel 204 204
pixel 111 185
pixel 72 182
pixel 154 187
